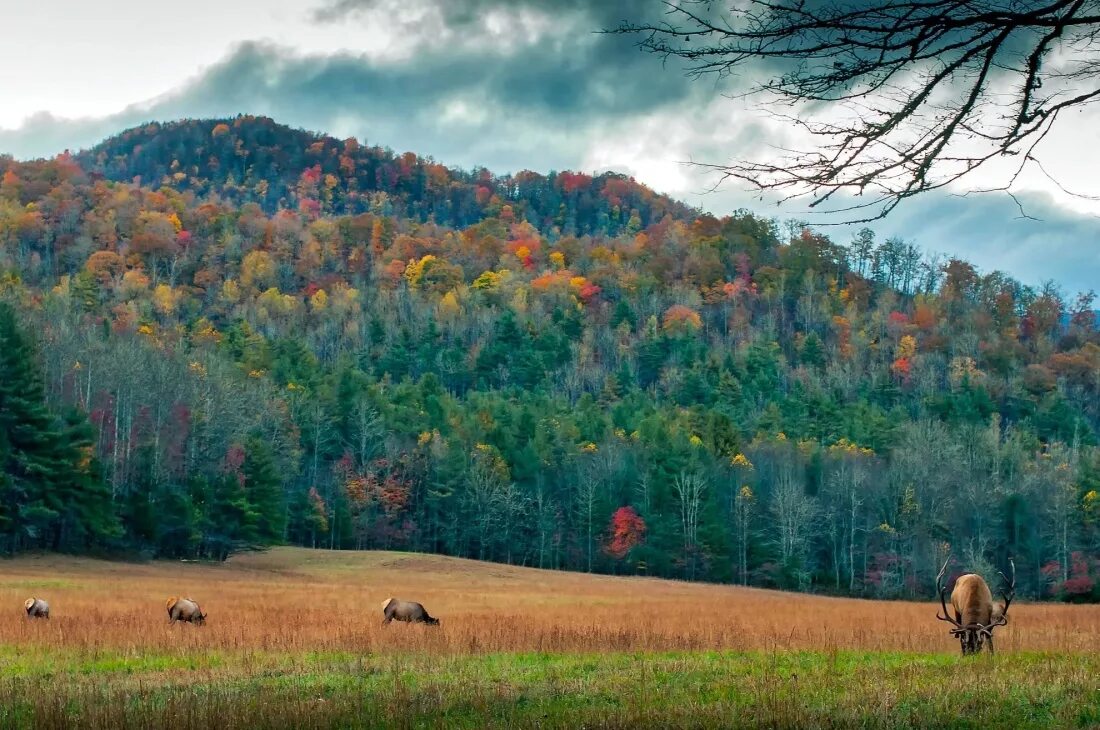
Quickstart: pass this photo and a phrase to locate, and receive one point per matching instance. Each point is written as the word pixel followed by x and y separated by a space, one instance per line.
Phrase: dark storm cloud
pixel 473 91
pixel 466 14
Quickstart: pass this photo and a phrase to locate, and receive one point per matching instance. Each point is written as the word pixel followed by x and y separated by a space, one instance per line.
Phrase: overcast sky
pixel 509 84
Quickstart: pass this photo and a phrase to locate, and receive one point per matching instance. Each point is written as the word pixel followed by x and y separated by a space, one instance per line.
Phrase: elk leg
pixel 991 646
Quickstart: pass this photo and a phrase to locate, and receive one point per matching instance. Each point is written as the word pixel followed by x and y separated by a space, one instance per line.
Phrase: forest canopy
pixel 224 334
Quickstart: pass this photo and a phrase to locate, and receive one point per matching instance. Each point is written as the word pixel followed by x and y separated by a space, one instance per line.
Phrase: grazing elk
pixel 975 613
pixel 184 609
pixel 409 611
pixel 36 608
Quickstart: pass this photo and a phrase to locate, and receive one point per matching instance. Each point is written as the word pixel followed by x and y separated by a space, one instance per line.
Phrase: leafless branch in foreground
pixel 904 97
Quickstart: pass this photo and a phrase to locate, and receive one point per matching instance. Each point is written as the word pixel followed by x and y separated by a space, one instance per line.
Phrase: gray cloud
pixel 471 93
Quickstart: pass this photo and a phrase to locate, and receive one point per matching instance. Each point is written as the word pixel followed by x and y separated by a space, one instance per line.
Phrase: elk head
pixel 973 635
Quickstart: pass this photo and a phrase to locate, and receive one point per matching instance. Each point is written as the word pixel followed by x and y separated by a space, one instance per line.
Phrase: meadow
pixel 294 639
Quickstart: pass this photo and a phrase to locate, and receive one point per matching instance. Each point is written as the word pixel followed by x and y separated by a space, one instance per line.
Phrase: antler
pixel 1010 591
pixel 942 590
pixel 1009 594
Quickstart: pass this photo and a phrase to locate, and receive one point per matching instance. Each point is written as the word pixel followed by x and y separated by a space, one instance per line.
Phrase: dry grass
pixel 300 600
pixel 294 639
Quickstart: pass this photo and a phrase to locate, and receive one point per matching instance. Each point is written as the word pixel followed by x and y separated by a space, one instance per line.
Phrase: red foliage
pixel 572 181
pixel 627 531
pixel 589 290
pixel 234 460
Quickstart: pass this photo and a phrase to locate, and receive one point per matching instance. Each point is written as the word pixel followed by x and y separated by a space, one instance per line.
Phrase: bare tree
pixel 690 489
pixel 905 96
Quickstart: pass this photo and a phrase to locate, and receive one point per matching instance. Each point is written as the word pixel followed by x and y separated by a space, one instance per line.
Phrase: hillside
pixel 218 334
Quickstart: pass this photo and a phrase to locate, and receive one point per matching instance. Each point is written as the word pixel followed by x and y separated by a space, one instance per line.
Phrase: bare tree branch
pixel 902 96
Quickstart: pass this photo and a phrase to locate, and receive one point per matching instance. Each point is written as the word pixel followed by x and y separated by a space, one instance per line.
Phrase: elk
pixel 409 611
pixel 975 614
pixel 184 609
pixel 36 608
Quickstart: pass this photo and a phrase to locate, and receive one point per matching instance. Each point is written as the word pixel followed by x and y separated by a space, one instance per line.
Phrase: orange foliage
pixel 680 318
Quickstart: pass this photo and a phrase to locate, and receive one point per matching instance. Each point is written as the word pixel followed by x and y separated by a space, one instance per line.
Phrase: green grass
pixel 45 687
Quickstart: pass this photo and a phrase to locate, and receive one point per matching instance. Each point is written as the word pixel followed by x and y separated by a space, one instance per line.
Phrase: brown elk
pixel 36 608
pixel 394 609
pixel 184 610
pixel 975 614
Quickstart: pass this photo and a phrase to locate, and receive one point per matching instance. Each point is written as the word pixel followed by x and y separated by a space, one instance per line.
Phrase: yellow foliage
pixel 490 280
pixel 522 252
pixel 198 369
pixel 844 446
pixel 590 448
pixel 62 288
pixel 415 270
pixel 557 258
pixel 519 301
pixel 319 301
pixel 424 438
pixel 746 493
pixel 175 221
pixel 146 330
pixel 165 299
pixel 448 306
pixel 258 269
pixel 741 460
pixel 907 347
pixel 206 332
pixel 231 292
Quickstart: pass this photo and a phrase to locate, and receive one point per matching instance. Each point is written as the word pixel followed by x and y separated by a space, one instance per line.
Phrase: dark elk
pixel 394 609
pixel 185 609
pixel 973 612
pixel 36 608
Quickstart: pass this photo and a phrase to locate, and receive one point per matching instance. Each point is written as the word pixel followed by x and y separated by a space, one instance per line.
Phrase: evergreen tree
pixel 51 488
pixel 265 491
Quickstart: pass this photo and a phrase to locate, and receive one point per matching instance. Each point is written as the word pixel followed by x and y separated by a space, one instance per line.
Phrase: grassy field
pixel 294 640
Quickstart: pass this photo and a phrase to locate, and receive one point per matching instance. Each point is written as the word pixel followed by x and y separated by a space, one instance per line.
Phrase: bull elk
pixel 975 614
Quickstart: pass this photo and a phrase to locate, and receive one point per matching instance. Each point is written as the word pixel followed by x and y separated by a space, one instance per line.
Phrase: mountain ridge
pixel 279 167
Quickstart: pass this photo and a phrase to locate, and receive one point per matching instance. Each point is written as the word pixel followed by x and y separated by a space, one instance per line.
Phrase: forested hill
pixel 254 159
pixel 217 335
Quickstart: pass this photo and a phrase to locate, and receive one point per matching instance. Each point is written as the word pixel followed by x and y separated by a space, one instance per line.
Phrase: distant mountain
pixel 251 159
